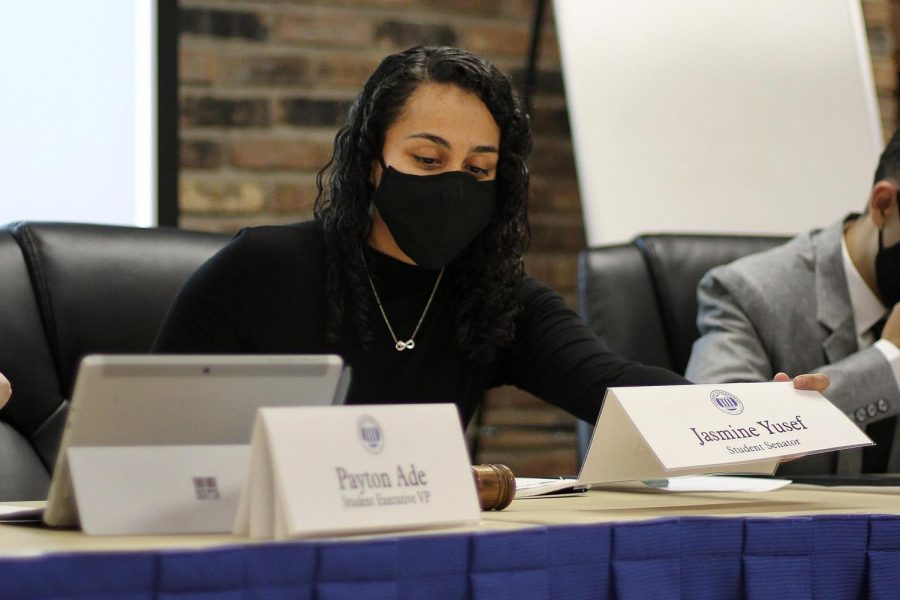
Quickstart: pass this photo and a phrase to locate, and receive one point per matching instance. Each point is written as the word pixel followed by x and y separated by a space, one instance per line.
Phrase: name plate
pixel 355 469
pixel 651 432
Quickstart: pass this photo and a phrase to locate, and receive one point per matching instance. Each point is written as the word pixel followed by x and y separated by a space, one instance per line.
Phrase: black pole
pixel 167 112
pixel 534 48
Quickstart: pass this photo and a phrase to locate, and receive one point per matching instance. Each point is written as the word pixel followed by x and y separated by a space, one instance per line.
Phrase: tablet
pixel 173 404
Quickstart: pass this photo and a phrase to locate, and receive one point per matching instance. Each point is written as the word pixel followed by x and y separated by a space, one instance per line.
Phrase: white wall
pixel 720 116
pixel 77 102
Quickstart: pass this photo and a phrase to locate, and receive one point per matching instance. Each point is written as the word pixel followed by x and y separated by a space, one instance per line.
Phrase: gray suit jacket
pixel 788 309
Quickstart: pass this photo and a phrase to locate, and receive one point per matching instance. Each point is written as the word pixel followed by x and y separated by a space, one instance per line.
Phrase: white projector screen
pixel 718 116
pixel 77 111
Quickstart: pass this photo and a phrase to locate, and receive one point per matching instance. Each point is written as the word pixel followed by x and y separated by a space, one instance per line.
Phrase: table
pixel 798 542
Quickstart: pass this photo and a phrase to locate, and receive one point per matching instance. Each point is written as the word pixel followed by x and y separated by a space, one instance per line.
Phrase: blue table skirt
pixel 828 557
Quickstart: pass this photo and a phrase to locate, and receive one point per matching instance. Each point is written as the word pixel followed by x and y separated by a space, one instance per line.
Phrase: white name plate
pixel 356 469
pixel 651 432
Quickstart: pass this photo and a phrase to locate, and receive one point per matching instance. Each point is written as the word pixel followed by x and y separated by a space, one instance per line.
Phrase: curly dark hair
pixel 489 272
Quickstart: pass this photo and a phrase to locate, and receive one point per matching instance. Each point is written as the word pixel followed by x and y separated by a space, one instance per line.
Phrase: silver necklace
pixel 399 344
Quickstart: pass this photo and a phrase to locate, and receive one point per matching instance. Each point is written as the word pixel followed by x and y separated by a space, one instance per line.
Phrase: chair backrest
pixel 67 290
pixel 25 359
pixel 641 297
pixel 106 288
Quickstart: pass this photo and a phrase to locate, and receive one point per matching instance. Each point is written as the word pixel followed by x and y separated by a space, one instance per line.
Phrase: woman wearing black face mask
pixel 412 270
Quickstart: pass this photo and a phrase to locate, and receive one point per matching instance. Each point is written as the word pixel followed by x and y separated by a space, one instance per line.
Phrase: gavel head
pixel 496 486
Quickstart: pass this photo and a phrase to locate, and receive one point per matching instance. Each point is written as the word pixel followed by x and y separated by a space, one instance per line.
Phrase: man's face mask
pixel 433 218
pixel 887 270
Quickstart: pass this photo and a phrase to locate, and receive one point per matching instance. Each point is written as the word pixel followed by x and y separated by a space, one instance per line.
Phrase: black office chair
pixel 641 297
pixel 67 290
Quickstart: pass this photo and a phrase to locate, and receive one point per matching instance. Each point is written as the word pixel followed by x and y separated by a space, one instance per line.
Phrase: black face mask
pixel 433 218
pixel 887 271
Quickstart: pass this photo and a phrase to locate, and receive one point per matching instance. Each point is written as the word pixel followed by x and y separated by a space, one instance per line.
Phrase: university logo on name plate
pixel 727 402
pixel 370 434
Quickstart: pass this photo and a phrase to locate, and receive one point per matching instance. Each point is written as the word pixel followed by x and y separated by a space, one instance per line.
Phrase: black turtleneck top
pixel 265 293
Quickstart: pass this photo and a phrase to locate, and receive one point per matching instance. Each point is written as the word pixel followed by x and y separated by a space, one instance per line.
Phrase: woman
pixel 412 270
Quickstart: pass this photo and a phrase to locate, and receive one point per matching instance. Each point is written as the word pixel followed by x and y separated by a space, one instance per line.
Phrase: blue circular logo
pixel 370 434
pixel 726 402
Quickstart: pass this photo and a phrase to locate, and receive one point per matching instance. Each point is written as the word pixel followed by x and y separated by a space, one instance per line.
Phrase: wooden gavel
pixel 496 486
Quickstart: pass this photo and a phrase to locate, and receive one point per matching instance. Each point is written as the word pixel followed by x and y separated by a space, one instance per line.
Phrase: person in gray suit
pixel 825 301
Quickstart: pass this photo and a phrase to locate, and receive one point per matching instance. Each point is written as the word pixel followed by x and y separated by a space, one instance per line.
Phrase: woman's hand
pixel 5 390
pixel 817 382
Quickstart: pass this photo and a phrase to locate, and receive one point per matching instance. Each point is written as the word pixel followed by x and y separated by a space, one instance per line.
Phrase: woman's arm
pixel 559 359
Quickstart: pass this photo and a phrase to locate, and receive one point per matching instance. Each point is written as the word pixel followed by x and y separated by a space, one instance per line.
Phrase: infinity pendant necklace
pixel 401 345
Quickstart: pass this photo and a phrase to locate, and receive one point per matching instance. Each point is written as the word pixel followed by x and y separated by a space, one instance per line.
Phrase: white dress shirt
pixel 868 310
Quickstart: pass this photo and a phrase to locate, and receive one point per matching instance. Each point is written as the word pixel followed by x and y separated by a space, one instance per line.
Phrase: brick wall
pixel 264 85
pixel 881 17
